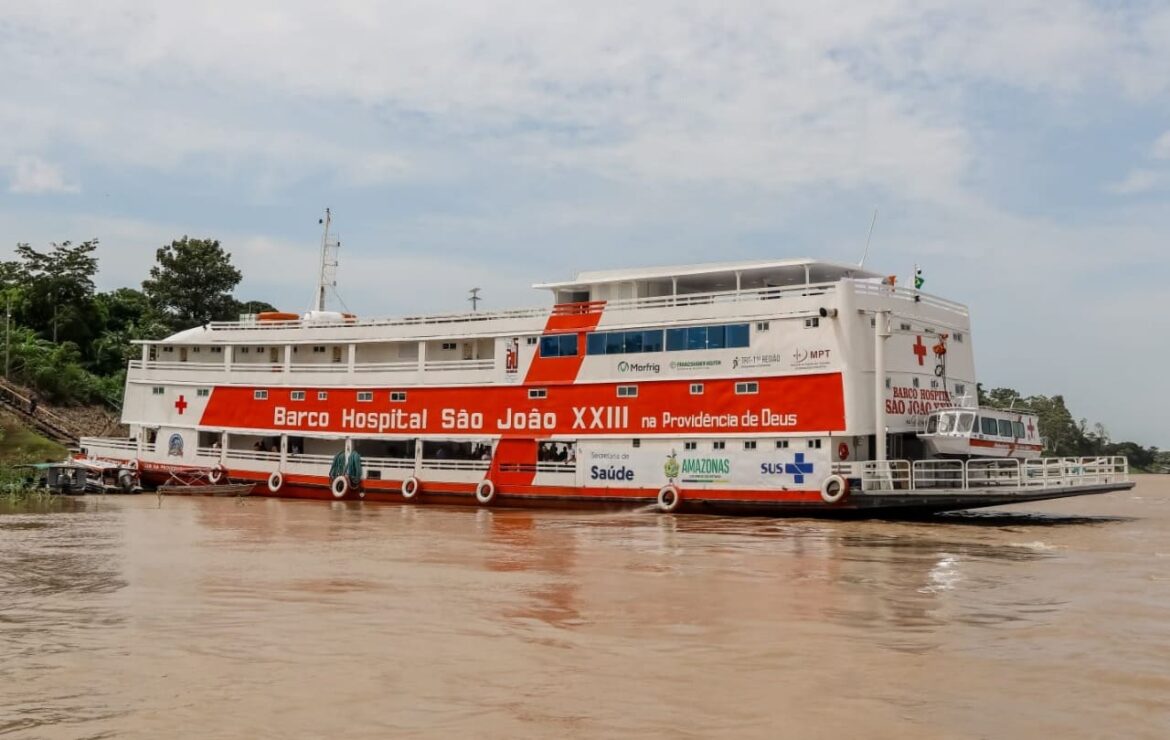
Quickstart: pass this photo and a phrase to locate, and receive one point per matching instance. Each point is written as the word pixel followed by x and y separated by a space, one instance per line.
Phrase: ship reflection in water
pixel 265 618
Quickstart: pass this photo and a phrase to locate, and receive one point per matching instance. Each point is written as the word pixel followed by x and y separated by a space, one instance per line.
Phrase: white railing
pixel 938 473
pixel 388 463
pixel 176 365
pixel 456 464
pixel 212 452
pixel 252 455
pixel 386 367
pixel 988 473
pixel 907 294
pixel 626 304
pixel 108 443
pixel 885 475
pixel 308 459
pixel 306 367
pixel 447 365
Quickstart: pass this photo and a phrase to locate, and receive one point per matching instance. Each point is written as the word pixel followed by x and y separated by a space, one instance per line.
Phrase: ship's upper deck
pixel 684 292
pixel 711 277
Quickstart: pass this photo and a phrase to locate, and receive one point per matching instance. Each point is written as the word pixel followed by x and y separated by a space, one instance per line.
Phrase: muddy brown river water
pixel 217 618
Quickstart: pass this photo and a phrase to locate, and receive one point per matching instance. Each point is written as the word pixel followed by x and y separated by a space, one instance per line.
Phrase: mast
pixel 329 258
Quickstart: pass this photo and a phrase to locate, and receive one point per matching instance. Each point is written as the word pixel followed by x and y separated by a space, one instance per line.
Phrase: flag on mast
pixel 919 281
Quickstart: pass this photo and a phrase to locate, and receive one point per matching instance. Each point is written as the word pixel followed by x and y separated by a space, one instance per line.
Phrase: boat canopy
pixel 711 277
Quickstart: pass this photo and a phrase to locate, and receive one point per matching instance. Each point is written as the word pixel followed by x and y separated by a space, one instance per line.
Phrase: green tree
pixel 192 283
pixel 55 290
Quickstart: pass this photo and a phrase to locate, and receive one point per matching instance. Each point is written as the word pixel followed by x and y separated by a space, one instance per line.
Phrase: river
pixel 132 617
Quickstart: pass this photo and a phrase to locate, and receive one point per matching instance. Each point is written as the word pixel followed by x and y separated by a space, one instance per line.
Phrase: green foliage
pixel 53 291
pixel 71 344
pixel 1063 435
pixel 19 444
pixel 192 283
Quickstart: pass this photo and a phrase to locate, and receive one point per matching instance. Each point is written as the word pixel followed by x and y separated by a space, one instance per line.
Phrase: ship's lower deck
pixel 856 501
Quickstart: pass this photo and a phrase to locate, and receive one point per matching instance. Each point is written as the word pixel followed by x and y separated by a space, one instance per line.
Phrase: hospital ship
pixel 785 386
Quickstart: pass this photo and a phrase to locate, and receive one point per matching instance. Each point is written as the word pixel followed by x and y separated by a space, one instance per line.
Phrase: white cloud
pixel 35 176
pixel 1161 148
pixel 1137 181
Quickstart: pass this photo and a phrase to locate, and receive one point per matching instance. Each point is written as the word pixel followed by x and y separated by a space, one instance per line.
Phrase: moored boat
pixel 780 386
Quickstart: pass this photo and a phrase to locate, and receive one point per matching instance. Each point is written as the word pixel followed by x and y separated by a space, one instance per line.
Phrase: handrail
pixel 625 304
pixel 908 294
pixel 992 472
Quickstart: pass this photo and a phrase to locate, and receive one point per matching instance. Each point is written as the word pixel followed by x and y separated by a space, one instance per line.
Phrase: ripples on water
pixel 205 617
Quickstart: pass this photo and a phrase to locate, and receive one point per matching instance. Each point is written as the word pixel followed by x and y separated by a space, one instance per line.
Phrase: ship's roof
pixel 820 271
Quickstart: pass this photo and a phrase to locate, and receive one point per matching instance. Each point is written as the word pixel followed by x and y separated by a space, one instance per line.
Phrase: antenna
pixel 867 238
pixel 329 259
pixel 474 298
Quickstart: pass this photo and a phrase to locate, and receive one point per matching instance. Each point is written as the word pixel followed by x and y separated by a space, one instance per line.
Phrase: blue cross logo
pixel 800 468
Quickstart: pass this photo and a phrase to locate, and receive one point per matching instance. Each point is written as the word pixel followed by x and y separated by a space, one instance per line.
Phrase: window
pixel 812 322
pixel 718 445
pixel 319 350
pixel 627 391
pixel 749 444
pixel 987 426
pixel 1005 428
pixel 558 345
pixel 322 395
pixel 172 349
pixel 637 442
pixel 932 424
pixel 708 337
pixel 448 346
pixel 259 395
pixel 960 389
pixel 259 350
pixel 217 350
pixel 959 337
pixel 814 444
pixel 748 388
pixel 297 396
pixel 623 342
pixel 365 396
pixel 763 326
pixel 1018 426
pixel 904 327
pixel 934 384
pixel 245 350
pixel 158 390
pixel 535 393
pixel 965 421
pixel 696 389
pixel 530 340
pixel 915 381
pixel 782 444
pixel 195 349
pixel 398 396
pixel 202 392
pixel 689 445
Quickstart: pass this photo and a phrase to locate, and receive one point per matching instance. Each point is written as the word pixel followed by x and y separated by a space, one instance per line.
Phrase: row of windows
pixel 966 422
pixel 745 388
pixel 721 336
pixel 750 444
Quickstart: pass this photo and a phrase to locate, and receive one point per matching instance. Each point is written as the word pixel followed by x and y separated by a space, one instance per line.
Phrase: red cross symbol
pixel 1031 428
pixel 181 405
pixel 920 350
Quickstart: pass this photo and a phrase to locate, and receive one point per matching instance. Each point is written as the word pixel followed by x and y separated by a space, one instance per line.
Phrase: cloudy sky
pixel 1020 154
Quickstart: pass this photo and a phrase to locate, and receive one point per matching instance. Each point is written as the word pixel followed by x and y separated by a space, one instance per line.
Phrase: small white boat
pixel 982 432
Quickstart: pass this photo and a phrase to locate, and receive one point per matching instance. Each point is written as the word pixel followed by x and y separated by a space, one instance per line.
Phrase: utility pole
pixel 474 298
